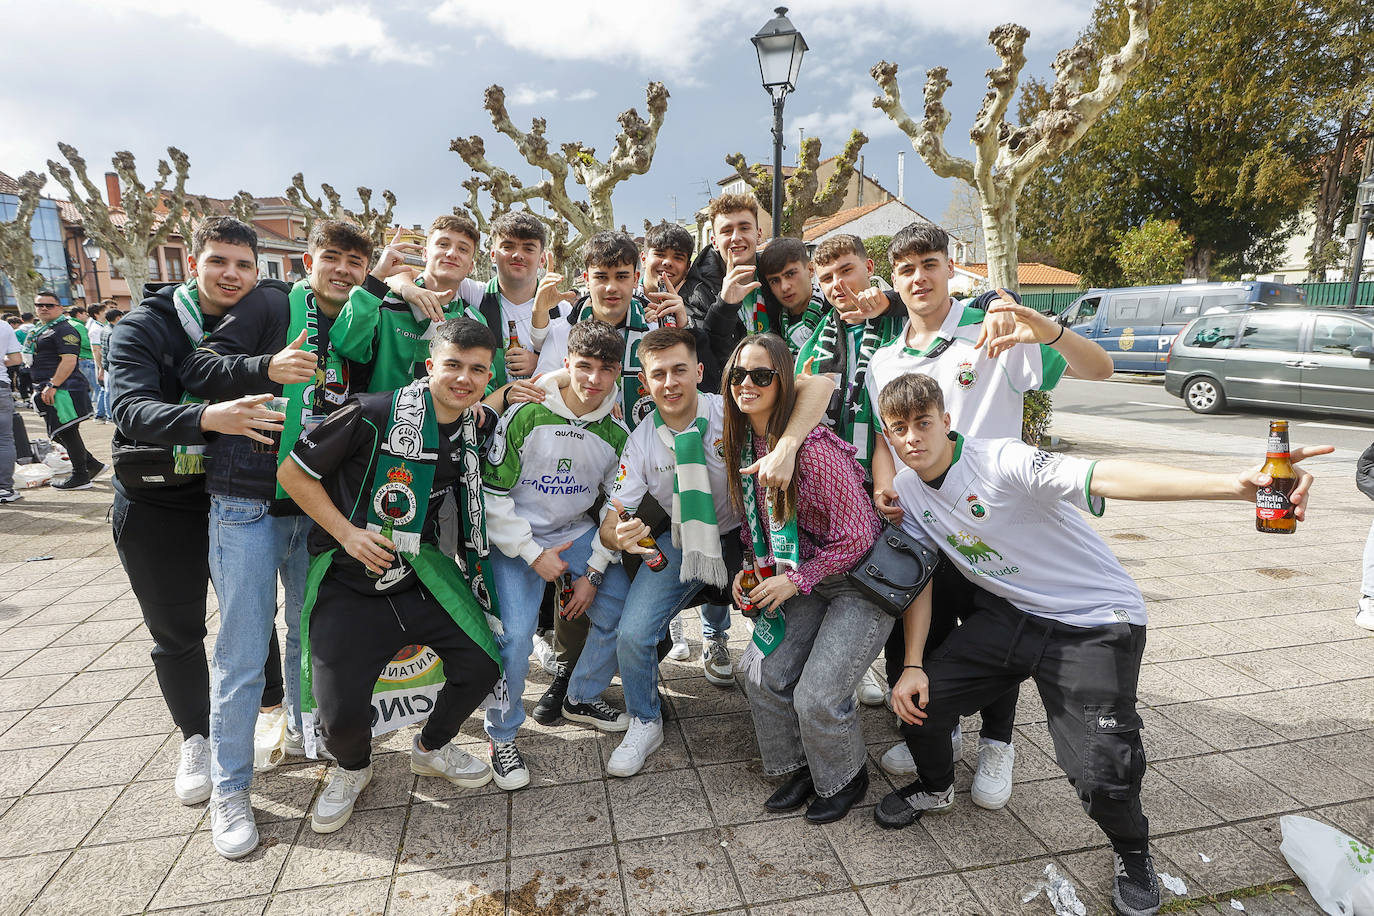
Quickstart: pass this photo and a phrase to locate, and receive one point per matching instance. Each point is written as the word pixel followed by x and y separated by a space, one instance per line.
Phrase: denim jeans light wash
pixel 520 591
pixel 87 368
pixel 715 621
pixel 801 695
pixel 7 449
pixel 249 549
pixel 1367 582
pixel 628 637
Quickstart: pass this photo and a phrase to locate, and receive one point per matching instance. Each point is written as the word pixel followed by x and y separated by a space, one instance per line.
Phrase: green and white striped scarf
pixel 189 459
pixel 797 331
pixel 855 424
pixel 695 528
pixel 635 400
pixel 773 540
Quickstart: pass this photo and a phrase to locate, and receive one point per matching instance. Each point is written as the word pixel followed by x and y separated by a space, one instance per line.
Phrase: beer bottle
pixel 747 583
pixel 656 560
pixel 667 321
pixel 565 591
pixel 387 527
pixel 514 342
pixel 1273 510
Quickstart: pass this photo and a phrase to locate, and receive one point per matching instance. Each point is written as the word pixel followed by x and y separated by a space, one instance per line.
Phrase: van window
pixel 1338 336
pixel 1218 300
pixel 1184 309
pixel 1087 311
pixel 1271 332
pixel 1214 332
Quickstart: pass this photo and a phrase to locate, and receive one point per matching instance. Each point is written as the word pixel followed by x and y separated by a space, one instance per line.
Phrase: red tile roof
pixel 1030 273
pixel 816 228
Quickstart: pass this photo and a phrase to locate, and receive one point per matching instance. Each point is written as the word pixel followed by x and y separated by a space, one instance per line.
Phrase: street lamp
pixel 92 250
pixel 780 48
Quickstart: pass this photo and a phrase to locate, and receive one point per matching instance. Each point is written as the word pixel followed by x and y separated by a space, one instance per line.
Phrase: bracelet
pixel 917 667
pixel 1062 329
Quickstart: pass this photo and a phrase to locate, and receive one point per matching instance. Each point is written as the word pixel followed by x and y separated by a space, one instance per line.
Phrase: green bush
pixel 876 246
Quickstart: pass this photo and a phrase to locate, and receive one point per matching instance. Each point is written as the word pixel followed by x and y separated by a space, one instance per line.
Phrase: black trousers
pixel 353 636
pixel 21 381
pixel 166 554
pixel 1087 678
pixel 954 601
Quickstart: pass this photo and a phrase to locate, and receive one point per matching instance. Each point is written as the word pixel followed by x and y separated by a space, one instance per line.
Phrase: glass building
pixel 46 231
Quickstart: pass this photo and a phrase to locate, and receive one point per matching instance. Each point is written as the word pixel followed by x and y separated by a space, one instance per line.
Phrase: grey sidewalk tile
pixel 697 696
pixel 676 875
pixel 360 898
pixel 1164 738
pixel 1001 887
pixel 1309 778
pixel 25 877
pixel 1213 677
pixel 557 818
pixel 455 831
pixel 585 881
pixel 109 880
pixel 20 769
pixel 1236 860
pixel 1052 811
pixel 99 763
pixel 1276 668
pixel 1169 808
pixel 970 836
pixel 131 653
pixel 392 780
pixel 1226 787
pixel 96 687
pixel 1351 751
pixel 1219 727
pixel 720 739
pixel 56 660
pixel 847 904
pixel 31 639
pixel 146 809
pixel 202 876
pixel 243 906
pixel 285 793
pixel 476 890
pixel 654 804
pixel 96 633
pixel 558 759
pixel 872 855
pixel 46 823
pixel 737 791
pixel 1355 818
pixel 783 858
pixel 946 895
pixel 365 847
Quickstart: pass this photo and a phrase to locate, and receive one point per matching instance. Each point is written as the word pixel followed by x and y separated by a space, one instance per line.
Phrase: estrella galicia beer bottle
pixel 565 591
pixel 387 527
pixel 656 560
pixel 514 339
pixel 667 321
pixel 747 583
pixel 1273 510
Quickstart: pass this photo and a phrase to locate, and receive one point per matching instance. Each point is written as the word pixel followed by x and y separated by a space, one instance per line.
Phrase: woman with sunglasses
pixel 802 668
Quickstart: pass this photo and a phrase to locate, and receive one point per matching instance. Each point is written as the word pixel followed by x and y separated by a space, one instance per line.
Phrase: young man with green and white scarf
pixel 374 477
pixel 275 342
pixel 677 456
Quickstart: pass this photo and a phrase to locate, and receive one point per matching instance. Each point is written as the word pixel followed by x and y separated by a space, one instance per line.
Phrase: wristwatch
pixel 595 578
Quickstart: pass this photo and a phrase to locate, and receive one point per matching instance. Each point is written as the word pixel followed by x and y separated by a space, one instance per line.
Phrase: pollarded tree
pixel 634 153
pixel 803 198
pixel 17 260
pixel 146 216
pixel 1006 156
pixel 242 207
pixel 329 205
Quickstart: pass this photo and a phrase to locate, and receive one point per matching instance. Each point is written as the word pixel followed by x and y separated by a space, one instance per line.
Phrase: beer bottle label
pixel 1272 502
pixel 1278 445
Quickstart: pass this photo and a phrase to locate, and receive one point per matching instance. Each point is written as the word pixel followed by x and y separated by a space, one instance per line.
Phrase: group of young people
pixel 421 459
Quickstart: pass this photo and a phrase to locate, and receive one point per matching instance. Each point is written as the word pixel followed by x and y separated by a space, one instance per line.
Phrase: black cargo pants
pixel 1087 679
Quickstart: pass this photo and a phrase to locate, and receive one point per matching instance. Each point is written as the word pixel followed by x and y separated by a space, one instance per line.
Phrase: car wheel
pixel 1204 395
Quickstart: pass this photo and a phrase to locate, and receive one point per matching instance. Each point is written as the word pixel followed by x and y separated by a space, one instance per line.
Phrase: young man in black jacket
pixel 161 514
pixel 62 395
pixel 276 339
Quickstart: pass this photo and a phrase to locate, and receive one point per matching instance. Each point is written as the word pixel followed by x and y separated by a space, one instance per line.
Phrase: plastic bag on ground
pixel 28 476
pixel 1060 892
pixel 1334 866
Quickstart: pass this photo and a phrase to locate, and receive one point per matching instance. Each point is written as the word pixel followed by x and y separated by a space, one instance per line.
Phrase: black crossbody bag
pixel 894 571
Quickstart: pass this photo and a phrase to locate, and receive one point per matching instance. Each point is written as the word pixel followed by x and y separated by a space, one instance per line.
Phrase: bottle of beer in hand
pixel 656 560
pixel 1273 510
pixel 747 583
pixel 514 339
pixel 387 527
pixel 565 591
pixel 667 321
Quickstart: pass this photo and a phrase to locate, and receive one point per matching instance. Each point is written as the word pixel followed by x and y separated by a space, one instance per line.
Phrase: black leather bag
pixel 141 466
pixel 894 571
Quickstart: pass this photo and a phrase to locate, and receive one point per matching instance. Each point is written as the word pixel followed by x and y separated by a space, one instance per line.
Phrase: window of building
pixel 154 269
pixel 176 264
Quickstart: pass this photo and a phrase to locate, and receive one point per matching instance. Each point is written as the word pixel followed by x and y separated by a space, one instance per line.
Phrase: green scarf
pixel 635 400
pixel 797 331
pixel 31 340
pixel 405 467
pixel 778 541
pixel 695 528
pixel 189 459
pixel 855 424
pixel 753 314
pixel 498 357
pixel 305 403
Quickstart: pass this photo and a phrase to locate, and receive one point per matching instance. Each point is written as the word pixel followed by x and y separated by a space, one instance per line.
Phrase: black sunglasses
pixel 762 377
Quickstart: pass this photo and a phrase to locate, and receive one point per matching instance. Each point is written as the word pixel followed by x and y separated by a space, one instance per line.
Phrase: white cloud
pixel 317 35
pixel 528 95
pixel 582 95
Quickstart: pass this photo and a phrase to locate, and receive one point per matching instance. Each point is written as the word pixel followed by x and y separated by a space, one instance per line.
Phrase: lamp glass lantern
pixel 780 48
pixel 92 249
pixel 1365 192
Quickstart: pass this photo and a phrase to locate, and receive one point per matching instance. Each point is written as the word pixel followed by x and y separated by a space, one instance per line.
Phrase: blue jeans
pixel 248 550
pixel 715 621
pixel 628 637
pixel 520 591
pixel 98 403
pixel 7 449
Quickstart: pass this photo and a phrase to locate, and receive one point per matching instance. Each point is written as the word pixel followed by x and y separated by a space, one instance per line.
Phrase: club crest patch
pixel 966 376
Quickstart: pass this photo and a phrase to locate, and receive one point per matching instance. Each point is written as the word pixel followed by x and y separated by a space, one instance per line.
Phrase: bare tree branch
pixel 927 138
pixel 17 260
pixel 373 222
pixel 801 199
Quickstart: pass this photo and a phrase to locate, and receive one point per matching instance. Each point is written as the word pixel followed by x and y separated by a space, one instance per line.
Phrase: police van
pixel 1136 324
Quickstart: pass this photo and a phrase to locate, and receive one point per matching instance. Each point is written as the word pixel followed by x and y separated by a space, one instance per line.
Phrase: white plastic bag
pixel 1330 863
pixel 28 476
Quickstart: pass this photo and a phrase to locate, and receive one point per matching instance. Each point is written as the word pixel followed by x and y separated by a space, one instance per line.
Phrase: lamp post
pixel 1365 200
pixel 780 48
pixel 92 250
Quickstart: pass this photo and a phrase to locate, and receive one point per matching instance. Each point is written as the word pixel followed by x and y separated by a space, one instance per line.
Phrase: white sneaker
pixel 1364 617
pixel 872 689
pixel 641 739
pixel 294 745
pixel 680 650
pixel 232 828
pixel 898 761
pixel 335 805
pixel 544 654
pixel 992 781
pixel 269 738
pixel 508 767
pixel 193 773
pixel 715 662
pixel 449 762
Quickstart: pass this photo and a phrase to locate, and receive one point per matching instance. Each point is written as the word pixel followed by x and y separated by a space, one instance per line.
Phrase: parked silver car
pixel 1310 359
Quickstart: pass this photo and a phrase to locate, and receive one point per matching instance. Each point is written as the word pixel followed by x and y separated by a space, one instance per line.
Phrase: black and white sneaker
pixel 10 496
pixel 508 768
pixel 905 806
pixel 73 483
pixel 598 714
pixel 1135 892
pixel 94 468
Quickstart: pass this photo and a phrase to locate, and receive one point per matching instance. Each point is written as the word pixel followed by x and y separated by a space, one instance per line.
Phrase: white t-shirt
pixel 95 330
pixel 1004 516
pixel 9 343
pixel 520 312
pixel 984 396
pixel 648 465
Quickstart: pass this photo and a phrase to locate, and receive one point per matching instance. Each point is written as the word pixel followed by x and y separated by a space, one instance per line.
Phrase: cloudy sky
pixel 370 93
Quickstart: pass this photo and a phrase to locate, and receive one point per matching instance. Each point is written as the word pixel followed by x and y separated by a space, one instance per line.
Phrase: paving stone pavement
pixel 1257 694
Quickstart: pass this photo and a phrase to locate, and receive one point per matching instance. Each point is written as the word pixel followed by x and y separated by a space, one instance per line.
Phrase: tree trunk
pixel 135 274
pixel 1198 264
pixel 1327 208
pixel 999 233
pixel 26 287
